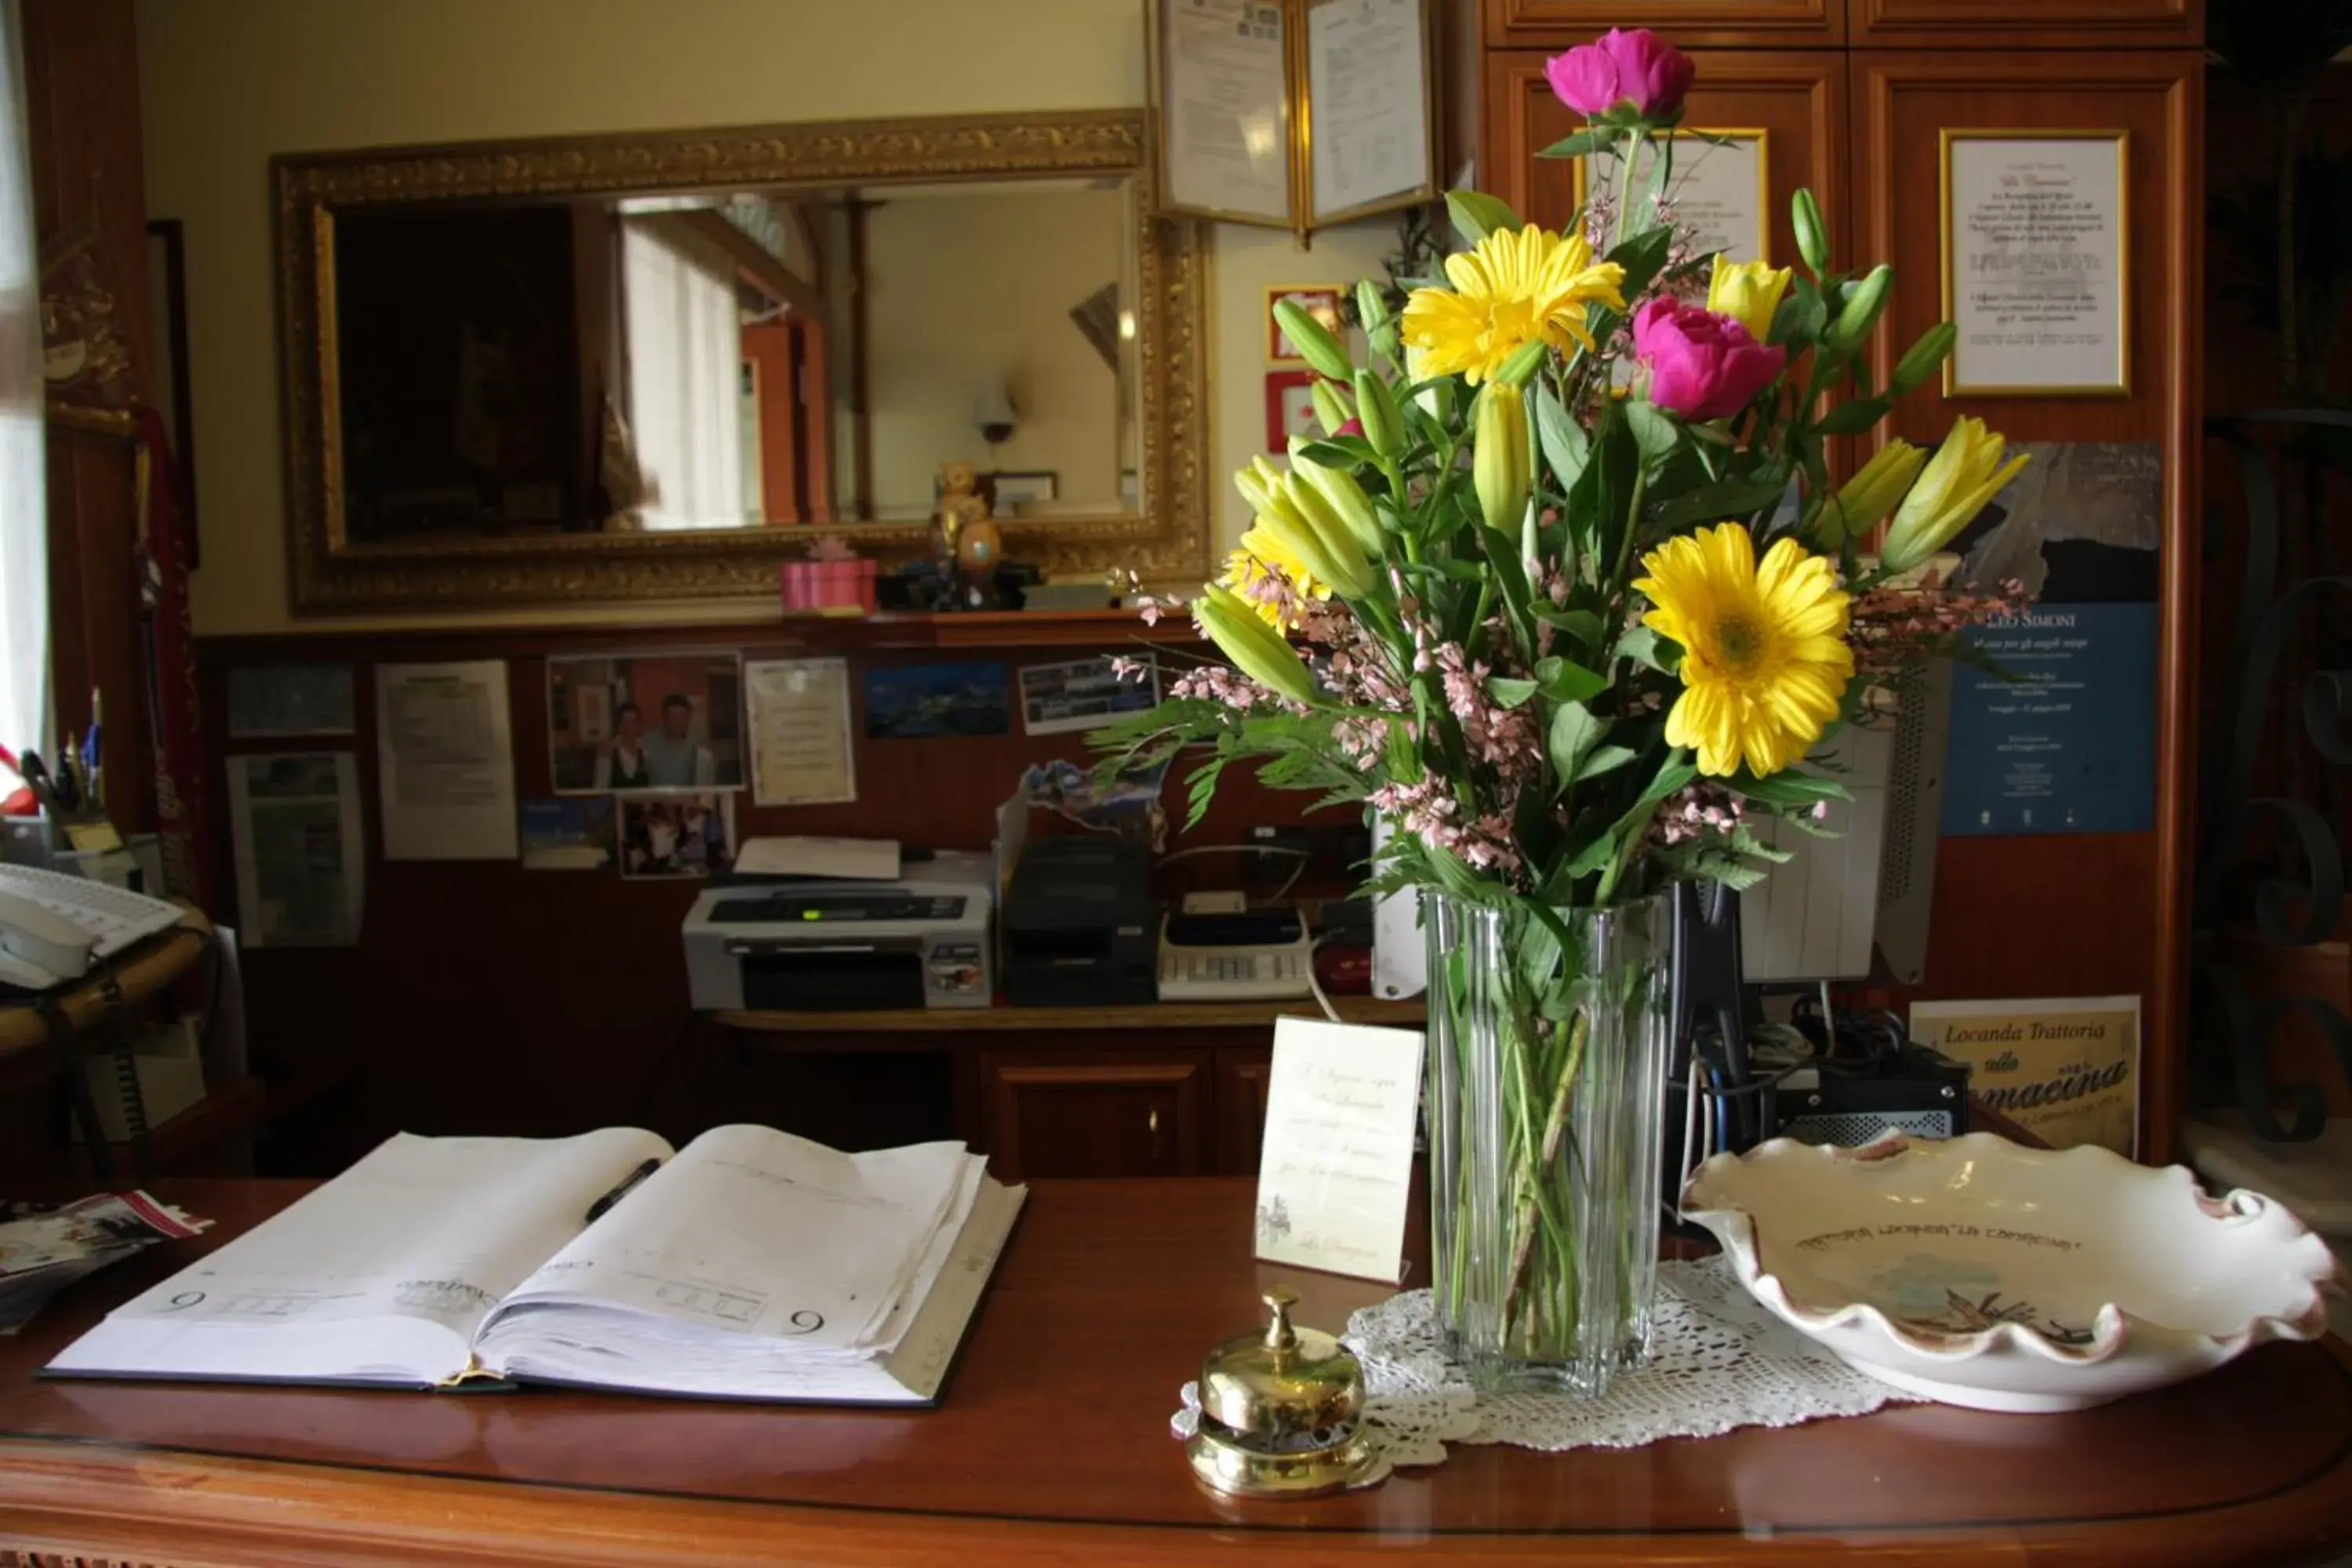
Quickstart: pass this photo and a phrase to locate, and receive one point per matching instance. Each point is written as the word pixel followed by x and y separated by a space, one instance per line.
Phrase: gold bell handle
pixel 1279 1335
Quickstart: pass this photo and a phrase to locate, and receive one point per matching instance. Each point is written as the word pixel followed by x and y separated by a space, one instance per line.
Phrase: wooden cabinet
pixel 1241 1079
pixel 2010 24
pixel 1562 24
pixel 1096 1113
pixel 1796 99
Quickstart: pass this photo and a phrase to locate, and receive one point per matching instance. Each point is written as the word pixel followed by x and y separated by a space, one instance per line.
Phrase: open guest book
pixel 750 1265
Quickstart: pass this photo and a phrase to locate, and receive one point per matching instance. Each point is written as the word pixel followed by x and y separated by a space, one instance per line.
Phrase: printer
pixel 810 944
pixel 1079 927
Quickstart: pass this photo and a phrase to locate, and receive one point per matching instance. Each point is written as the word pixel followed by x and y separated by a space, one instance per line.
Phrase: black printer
pixel 1078 924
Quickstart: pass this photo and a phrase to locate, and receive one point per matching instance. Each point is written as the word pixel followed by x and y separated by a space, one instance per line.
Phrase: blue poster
pixel 2069 746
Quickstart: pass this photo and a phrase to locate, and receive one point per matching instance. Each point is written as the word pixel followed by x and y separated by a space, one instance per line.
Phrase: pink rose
pixel 1637 70
pixel 1702 365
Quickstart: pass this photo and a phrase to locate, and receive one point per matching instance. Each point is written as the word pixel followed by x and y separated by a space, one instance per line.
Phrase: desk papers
pixel 1336 1170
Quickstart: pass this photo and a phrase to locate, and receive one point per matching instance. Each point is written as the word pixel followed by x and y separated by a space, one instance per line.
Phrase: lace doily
pixel 1719 1360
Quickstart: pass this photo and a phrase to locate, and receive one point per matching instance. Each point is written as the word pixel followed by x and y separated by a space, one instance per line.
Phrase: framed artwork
pixel 1289 407
pixel 1015 491
pixel 1320 301
pixel 2037 263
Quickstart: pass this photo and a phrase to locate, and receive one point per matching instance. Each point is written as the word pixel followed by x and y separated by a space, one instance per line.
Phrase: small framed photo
pixel 1320 301
pixel 1289 407
pixel 673 835
pixel 1017 492
pixel 630 721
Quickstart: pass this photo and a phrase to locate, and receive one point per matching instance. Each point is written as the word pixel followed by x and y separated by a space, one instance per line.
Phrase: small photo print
pixel 619 722
pixel 936 699
pixel 669 835
pixel 1086 693
pixel 568 832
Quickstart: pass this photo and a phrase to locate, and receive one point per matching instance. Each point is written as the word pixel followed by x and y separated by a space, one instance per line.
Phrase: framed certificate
pixel 1293 113
pixel 1719 186
pixel 2037 263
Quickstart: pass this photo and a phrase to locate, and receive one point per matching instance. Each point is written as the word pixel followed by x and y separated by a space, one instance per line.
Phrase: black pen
pixel 604 1206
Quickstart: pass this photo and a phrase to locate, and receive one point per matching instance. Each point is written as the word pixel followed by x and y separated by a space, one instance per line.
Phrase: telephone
pixel 53 927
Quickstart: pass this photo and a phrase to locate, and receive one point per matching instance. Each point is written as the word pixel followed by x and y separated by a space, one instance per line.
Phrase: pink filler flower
pixel 1702 365
pixel 1637 70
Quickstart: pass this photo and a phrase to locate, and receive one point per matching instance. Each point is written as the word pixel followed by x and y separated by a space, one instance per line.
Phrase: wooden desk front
pixel 1053 1447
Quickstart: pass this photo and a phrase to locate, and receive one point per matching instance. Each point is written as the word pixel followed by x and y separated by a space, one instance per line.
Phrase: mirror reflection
pixel 777 358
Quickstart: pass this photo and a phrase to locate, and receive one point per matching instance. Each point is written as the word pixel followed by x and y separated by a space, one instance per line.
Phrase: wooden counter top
pixel 1052 1448
pixel 1002 1019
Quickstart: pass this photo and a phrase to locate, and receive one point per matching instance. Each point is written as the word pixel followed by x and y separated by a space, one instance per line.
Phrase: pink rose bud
pixel 1702 365
pixel 1638 71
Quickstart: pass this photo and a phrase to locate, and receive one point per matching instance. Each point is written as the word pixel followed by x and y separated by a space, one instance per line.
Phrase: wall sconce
pixel 993 412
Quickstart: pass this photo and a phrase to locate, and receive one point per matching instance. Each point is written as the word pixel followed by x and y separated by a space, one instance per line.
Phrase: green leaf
pixel 1645 647
pixel 1565 444
pixel 1604 759
pixel 1575 730
pixel 1594 855
pixel 1788 787
pixel 1581 625
pixel 1510 690
pixel 1341 452
pixel 1677 771
pixel 1641 257
pixel 1854 418
pixel 1724 498
pixel 1564 681
pixel 1655 431
pixel 1476 214
pixel 1579 145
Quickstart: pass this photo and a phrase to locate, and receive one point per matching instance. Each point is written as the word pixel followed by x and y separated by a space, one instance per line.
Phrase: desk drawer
pixel 1095 1113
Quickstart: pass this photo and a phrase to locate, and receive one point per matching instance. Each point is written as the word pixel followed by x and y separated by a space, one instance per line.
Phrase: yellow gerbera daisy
pixel 1261 556
pixel 1765 660
pixel 1519 284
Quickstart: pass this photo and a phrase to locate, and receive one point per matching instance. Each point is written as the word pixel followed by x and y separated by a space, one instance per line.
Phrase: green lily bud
pixel 1870 495
pixel 1256 649
pixel 1813 240
pixel 1863 301
pixel 1313 341
pixel 1258 482
pixel 1499 460
pixel 1331 410
pixel 1346 497
pixel 1520 368
pixel 1376 407
pixel 1924 356
pixel 1966 472
pixel 1304 527
pixel 1372 305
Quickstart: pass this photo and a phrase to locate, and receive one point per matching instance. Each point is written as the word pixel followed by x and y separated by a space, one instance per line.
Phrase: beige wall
pixel 226 83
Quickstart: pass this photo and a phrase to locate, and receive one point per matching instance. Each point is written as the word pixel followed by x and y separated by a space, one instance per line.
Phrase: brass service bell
pixel 1282 1412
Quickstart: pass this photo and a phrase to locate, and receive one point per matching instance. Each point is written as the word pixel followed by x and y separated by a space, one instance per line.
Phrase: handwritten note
pixel 1334 1177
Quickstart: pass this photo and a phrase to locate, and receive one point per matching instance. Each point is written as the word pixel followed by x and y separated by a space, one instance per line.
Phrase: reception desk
pixel 1053 1447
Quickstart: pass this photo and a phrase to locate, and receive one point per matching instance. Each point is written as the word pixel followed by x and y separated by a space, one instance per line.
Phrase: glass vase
pixel 1546 1103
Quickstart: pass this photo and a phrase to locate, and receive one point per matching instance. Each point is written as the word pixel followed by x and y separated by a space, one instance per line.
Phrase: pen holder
pixel 29 841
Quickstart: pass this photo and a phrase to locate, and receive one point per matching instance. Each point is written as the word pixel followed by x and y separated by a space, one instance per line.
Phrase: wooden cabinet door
pixel 1563 24
pixel 1092 1113
pixel 1242 1078
pixel 1796 101
pixel 2027 23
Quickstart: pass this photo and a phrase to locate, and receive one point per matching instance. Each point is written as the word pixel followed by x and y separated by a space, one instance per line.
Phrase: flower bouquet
pixel 1559 598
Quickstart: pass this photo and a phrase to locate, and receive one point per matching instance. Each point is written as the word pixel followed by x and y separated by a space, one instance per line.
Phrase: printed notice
pixel 294 821
pixel 445 761
pixel 1717 189
pixel 1221 107
pixel 2033 247
pixel 2064 1069
pixel 801 734
pixel 1336 1172
pixel 1368 88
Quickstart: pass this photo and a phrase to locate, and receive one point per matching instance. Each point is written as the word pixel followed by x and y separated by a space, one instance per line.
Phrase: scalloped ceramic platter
pixel 1979 1272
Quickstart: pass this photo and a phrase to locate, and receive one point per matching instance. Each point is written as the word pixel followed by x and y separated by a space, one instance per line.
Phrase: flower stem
pixel 1531 1176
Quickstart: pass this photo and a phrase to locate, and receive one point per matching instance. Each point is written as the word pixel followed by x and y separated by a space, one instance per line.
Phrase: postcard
pixel 568 832
pixel 1083 694
pixel 918 700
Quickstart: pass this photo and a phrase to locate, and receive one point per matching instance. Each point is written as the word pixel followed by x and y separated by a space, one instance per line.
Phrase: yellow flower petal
pixel 1516 285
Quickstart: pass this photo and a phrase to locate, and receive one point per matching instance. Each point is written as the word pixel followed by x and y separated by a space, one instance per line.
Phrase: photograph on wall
pixel 624 722
pixel 1290 408
pixel 294 819
pixel 2060 735
pixel 567 833
pixel 1084 694
pixel 927 700
pixel 673 835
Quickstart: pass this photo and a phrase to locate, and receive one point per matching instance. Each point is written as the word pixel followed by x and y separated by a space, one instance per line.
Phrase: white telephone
pixel 53 927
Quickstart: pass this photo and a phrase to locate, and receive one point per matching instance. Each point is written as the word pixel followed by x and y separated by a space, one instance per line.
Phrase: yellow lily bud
pixel 1498 458
pixel 1870 495
pixel 1256 649
pixel 1314 532
pixel 1965 473
pixel 1748 292
pixel 1257 482
pixel 1347 498
pixel 1331 410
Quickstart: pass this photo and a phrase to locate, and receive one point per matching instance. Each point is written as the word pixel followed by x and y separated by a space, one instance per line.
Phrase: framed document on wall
pixel 1719 186
pixel 2037 263
pixel 1293 113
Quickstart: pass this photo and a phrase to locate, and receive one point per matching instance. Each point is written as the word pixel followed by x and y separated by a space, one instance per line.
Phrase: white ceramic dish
pixel 1983 1273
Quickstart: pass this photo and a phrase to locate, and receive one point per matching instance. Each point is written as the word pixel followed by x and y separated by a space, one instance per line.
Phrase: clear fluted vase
pixel 1546 1104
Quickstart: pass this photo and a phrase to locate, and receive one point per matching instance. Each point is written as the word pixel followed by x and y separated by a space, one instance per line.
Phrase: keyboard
pixel 117 917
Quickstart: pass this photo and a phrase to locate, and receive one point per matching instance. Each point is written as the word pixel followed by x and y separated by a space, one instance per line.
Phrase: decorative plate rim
pixel 1736 1229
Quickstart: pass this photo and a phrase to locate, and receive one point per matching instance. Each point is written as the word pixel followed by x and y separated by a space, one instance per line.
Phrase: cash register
pixel 818 945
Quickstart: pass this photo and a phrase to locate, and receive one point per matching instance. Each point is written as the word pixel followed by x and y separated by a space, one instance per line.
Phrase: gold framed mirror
pixel 585 370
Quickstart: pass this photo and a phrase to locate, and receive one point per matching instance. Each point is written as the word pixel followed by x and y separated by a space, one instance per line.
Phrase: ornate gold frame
pixel 1168 539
